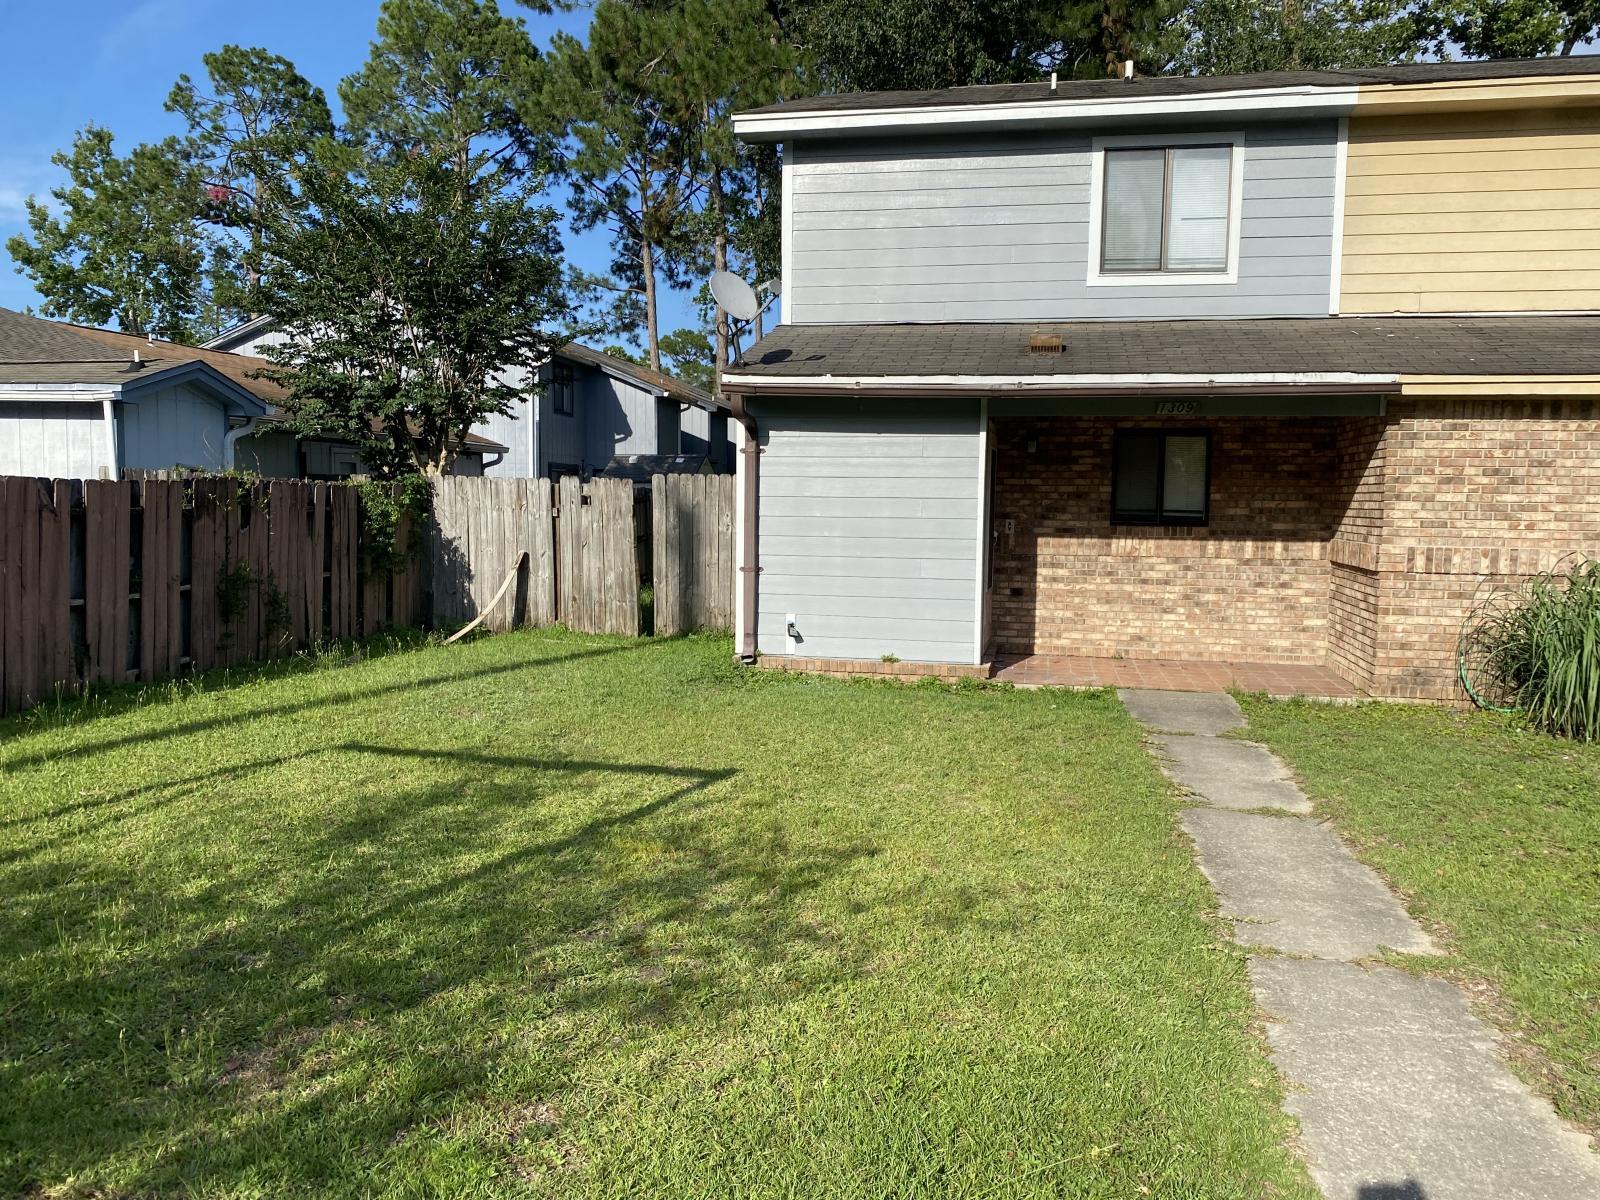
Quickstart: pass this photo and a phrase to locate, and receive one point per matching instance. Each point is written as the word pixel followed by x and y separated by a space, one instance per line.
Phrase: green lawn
pixel 1493 833
pixel 546 914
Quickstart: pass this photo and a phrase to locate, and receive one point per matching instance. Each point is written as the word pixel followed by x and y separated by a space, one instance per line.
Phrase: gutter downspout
pixel 109 413
pixel 230 440
pixel 749 553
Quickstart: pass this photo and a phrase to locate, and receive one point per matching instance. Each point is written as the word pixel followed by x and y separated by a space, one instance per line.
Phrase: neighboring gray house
pixel 83 403
pixel 1265 368
pixel 591 408
pixel 588 409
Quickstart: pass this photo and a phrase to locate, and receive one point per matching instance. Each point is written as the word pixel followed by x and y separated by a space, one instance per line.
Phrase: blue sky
pixel 66 63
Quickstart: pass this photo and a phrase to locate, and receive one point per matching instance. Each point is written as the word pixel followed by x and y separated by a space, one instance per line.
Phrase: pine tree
pixel 126 247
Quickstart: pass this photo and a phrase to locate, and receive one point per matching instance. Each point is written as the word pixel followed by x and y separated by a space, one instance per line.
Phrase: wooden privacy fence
pixel 582 567
pixel 116 581
pixel 110 581
pixel 692 552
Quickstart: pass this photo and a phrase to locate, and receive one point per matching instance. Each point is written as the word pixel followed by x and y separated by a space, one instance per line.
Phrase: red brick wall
pixel 1476 492
pixel 1359 543
pixel 1252 584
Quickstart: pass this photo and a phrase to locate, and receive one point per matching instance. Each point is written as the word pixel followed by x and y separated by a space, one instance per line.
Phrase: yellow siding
pixel 1472 212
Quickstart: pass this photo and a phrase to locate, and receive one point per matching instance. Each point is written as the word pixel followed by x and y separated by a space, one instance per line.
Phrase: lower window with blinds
pixel 1161 478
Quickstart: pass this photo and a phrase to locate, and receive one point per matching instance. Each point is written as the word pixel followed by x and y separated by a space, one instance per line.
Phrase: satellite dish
pixel 735 296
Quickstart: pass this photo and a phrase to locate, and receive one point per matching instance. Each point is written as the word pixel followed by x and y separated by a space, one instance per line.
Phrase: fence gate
pixel 597 565
pixel 480 526
pixel 692 552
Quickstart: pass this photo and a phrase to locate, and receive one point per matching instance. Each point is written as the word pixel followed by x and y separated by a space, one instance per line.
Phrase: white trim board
pixel 786 234
pixel 1234 139
pixel 778 126
pixel 1341 168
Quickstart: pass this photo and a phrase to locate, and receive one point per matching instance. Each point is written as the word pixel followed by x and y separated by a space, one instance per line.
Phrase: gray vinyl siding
pixel 272 455
pixel 869 528
pixel 703 432
pixel 996 228
pixel 618 417
pixel 55 439
pixel 174 426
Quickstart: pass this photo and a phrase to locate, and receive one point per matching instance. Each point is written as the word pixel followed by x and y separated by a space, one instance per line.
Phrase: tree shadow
pixel 477 924
pixel 331 700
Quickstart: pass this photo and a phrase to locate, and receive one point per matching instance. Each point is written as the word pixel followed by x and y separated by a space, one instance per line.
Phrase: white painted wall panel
pixel 53 439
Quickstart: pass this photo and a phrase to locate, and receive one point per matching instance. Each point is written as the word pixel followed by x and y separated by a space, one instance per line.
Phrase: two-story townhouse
pixel 1274 369
pixel 586 408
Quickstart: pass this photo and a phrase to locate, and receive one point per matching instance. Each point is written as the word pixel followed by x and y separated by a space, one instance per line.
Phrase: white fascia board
pixel 70 393
pixel 1023 383
pixel 770 127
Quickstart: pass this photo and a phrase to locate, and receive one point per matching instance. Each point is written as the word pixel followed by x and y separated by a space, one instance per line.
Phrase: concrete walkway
pixel 1399 1089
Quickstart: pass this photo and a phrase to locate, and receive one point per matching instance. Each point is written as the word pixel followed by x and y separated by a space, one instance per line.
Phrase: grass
pixel 546 914
pixel 1493 834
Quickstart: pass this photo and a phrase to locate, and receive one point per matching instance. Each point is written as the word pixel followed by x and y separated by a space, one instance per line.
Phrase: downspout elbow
pixel 230 442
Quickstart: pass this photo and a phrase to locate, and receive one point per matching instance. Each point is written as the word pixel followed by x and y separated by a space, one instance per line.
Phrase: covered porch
pixel 1186 542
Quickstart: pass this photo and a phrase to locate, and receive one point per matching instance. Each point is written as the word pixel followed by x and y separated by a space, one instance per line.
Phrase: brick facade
pixel 1358 543
pixel 1250 584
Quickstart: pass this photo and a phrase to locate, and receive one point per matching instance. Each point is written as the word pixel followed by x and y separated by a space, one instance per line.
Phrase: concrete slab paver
pixel 1400 1094
pixel 1183 712
pixel 1229 773
pixel 1291 885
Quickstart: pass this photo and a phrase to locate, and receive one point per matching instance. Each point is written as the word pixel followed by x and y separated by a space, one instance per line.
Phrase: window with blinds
pixel 1166 209
pixel 1160 478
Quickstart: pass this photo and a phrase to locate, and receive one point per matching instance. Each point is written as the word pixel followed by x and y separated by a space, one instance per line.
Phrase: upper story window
pixel 563 390
pixel 1164 211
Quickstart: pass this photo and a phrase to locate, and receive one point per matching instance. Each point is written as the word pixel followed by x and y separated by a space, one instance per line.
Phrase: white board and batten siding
pixel 869 529
pixel 996 228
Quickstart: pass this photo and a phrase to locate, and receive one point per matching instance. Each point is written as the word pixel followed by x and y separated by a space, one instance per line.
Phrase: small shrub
pixel 1535 649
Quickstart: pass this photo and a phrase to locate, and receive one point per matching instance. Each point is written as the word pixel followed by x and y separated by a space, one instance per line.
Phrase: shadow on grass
pixel 307 1005
pixel 347 696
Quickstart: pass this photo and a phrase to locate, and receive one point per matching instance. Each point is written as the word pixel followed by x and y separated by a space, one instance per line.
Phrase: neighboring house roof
pixel 1155 86
pixel 1367 346
pixel 37 351
pixel 658 381
pixel 238 333
pixel 640 467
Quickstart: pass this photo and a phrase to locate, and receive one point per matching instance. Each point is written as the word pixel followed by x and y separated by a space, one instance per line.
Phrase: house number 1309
pixel 1177 408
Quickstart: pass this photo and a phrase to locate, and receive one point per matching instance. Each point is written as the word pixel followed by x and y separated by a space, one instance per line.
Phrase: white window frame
pixel 1233 139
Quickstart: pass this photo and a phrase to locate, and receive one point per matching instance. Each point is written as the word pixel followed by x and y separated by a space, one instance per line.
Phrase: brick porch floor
pixel 1052 670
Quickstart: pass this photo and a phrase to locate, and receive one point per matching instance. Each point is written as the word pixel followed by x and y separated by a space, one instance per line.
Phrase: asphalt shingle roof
pixel 1193 85
pixel 1370 345
pixel 34 350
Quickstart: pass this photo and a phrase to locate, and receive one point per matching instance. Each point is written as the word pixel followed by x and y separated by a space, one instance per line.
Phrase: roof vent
pixel 1127 68
pixel 1045 343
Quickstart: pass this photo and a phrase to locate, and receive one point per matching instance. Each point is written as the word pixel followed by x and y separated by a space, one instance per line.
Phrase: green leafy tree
pixel 691 356
pixel 252 124
pixel 917 44
pixel 1234 37
pixel 413 302
pixel 1513 28
pixel 123 243
pixel 448 78
pixel 418 276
